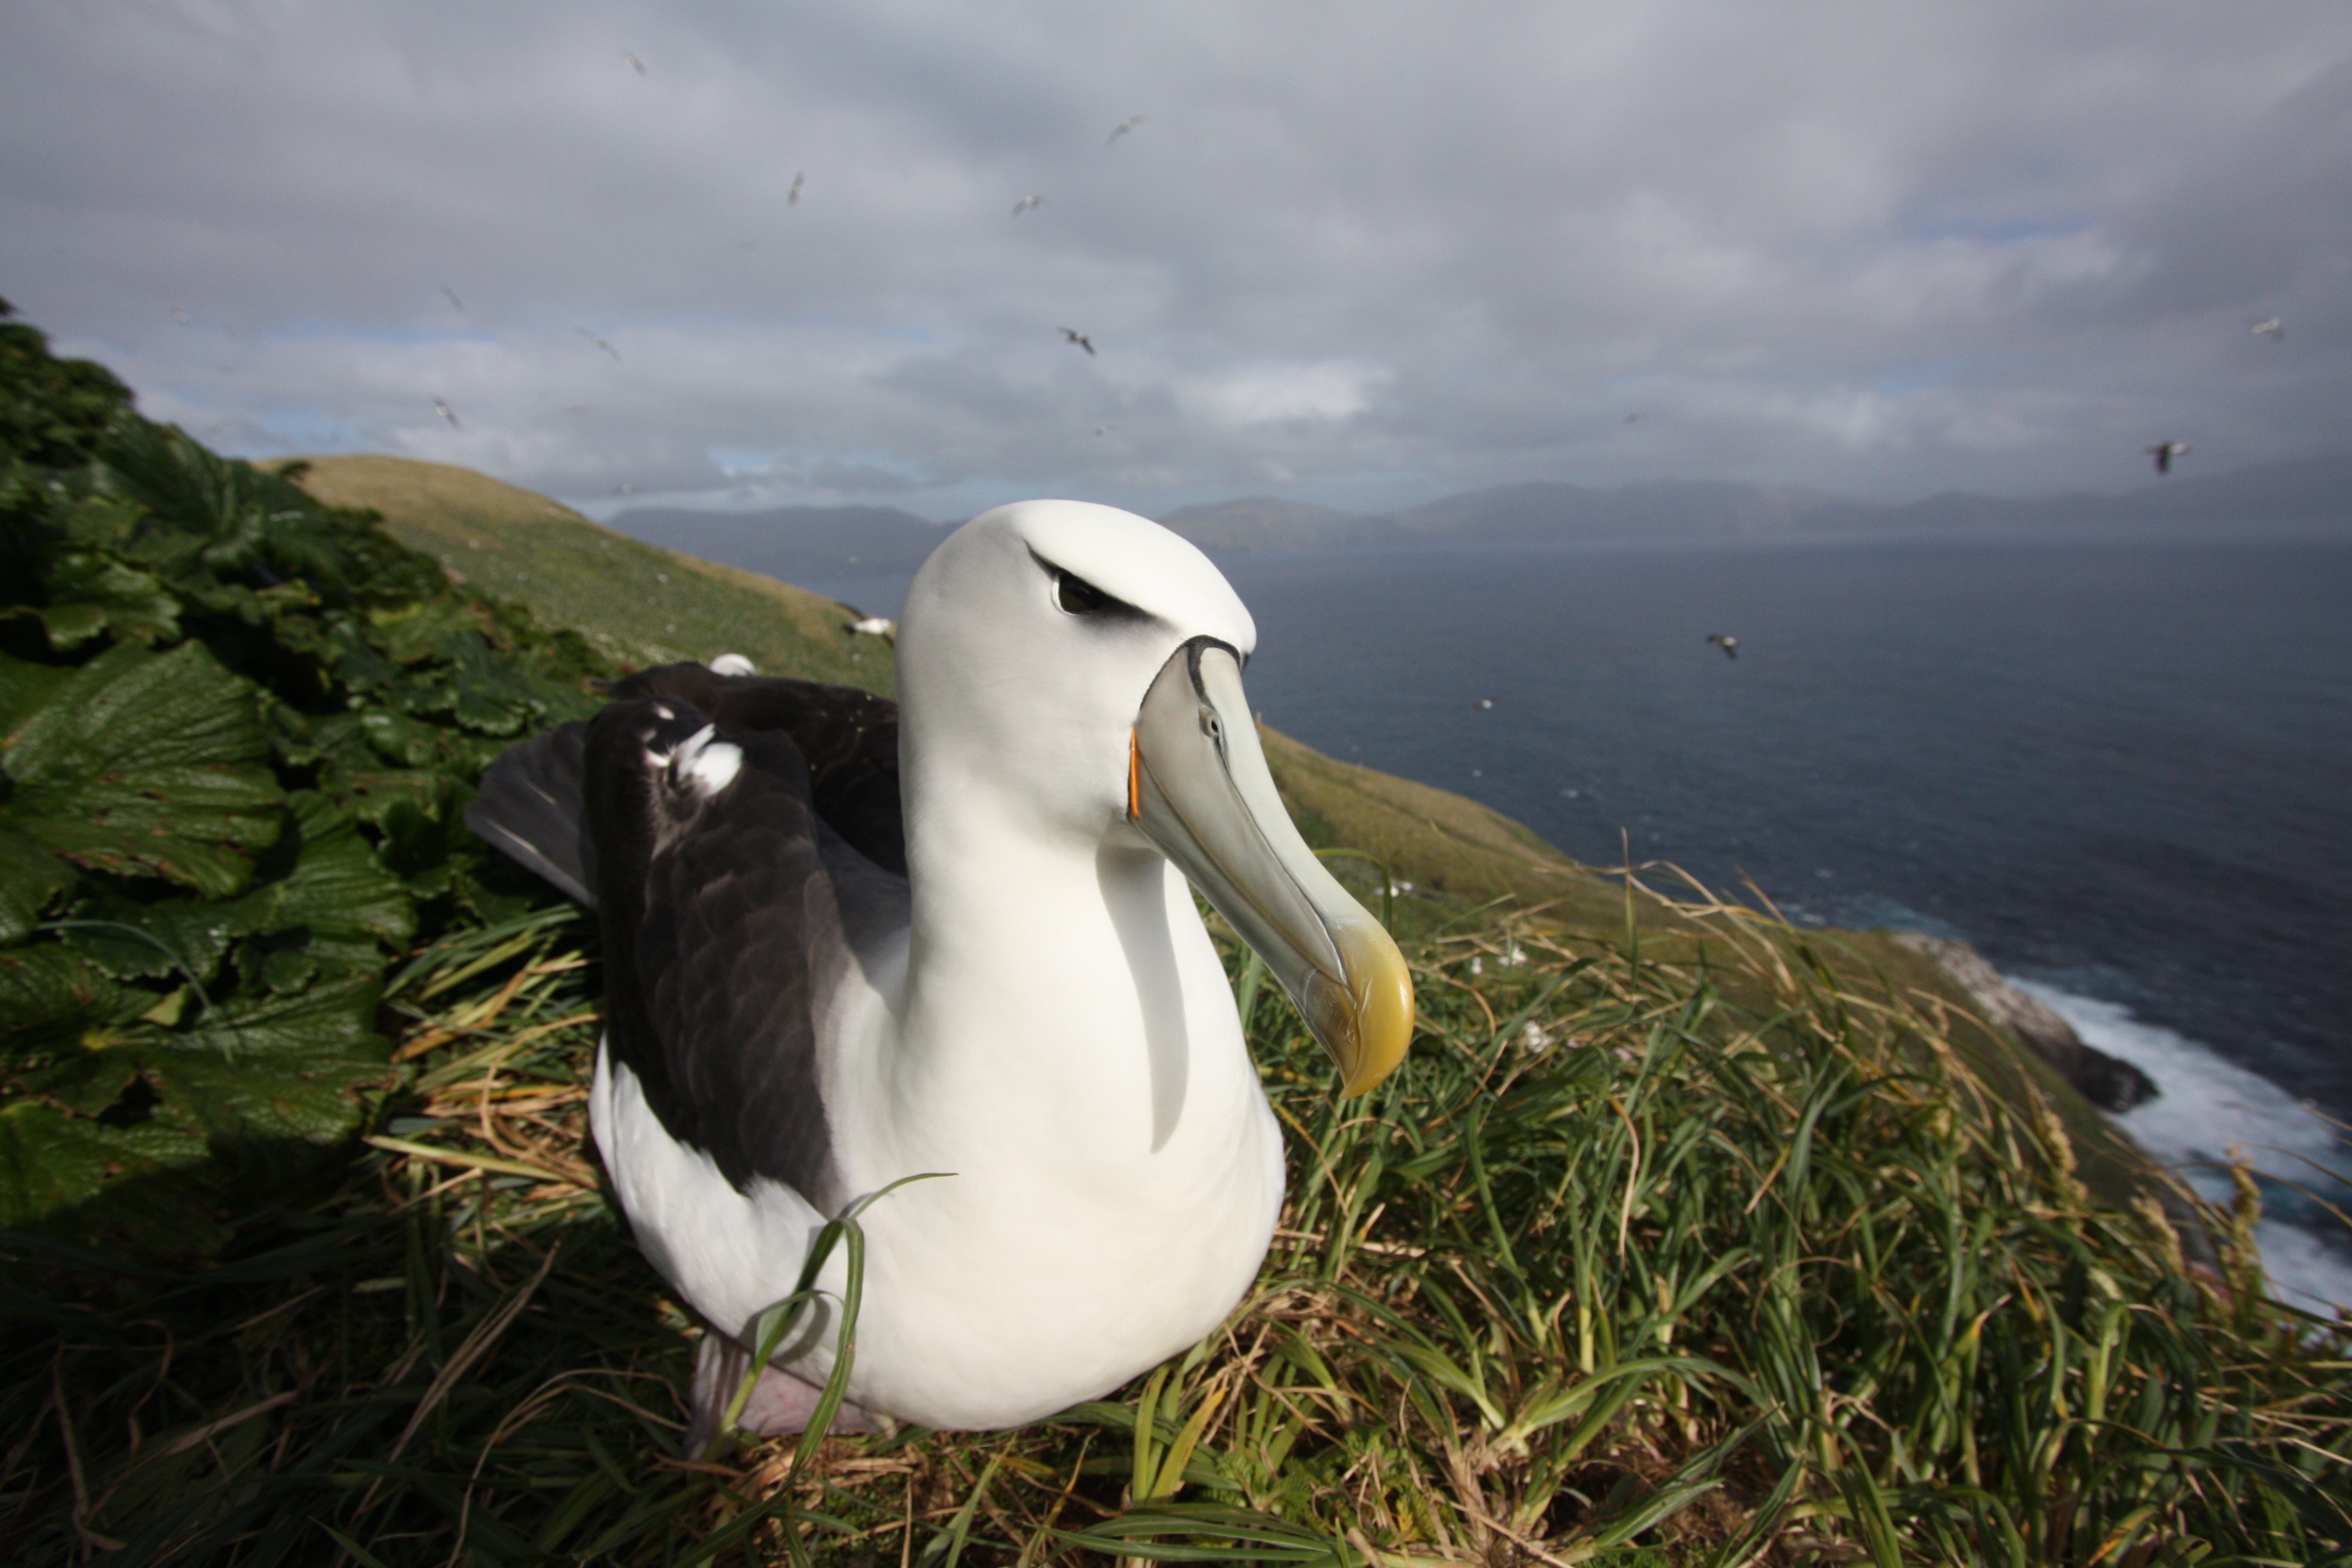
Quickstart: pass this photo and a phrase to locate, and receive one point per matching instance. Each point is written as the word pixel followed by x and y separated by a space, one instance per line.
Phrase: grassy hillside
pixel 1681 1236
pixel 1452 853
pixel 637 604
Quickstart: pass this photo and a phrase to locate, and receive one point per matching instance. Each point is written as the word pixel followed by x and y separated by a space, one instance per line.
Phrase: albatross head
pixel 1081 665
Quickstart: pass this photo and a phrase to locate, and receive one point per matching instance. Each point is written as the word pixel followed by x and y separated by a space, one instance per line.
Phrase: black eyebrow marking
pixel 1073 595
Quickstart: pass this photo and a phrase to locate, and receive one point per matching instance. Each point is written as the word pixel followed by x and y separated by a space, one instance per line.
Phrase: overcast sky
pixel 1353 251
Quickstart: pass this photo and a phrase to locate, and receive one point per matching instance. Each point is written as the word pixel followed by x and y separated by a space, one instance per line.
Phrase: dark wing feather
pixel 720 936
pixel 730 913
pixel 529 808
pixel 849 738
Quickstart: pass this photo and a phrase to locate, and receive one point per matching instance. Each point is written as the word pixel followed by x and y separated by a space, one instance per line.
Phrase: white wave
pixel 2207 1106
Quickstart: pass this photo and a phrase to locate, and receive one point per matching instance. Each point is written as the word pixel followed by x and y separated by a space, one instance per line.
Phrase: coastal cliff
pixel 2108 1082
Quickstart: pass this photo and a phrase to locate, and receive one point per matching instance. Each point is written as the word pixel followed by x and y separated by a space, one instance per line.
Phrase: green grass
pixel 1682 1236
pixel 1617 1269
pixel 640 605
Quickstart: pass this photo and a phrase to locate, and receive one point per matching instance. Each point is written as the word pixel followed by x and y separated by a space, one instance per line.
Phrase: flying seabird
pixel 444 410
pixel 1025 203
pixel 455 302
pixel 847 944
pixel 2165 451
pixel 1078 337
pixel 1726 642
pixel 793 196
pixel 2270 326
pixel 636 64
pixel 600 343
pixel 179 315
pixel 1121 129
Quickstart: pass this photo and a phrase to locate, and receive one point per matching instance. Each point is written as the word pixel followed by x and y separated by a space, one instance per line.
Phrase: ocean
pixel 2120 768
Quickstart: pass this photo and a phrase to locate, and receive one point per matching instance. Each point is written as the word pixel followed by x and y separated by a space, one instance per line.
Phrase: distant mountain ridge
pixel 2310 495
pixel 2306 497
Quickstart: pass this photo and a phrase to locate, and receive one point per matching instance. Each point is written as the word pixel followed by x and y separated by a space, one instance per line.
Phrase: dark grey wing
pixel 849 738
pixel 731 915
pixel 529 807
pixel 692 814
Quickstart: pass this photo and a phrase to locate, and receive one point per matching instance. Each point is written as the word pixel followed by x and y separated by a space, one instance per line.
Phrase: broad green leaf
pixel 283 1066
pixel 332 889
pixel 49 991
pixel 89 594
pixel 132 940
pixel 399 739
pixel 92 1077
pixel 357 664
pixel 97 519
pixel 414 633
pixel 282 1070
pixel 143 762
pixel 384 796
pixel 52 1161
pixel 340 739
pixel 288 970
pixel 29 877
pixel 25 690
pixel 335 1020
pixel 216 514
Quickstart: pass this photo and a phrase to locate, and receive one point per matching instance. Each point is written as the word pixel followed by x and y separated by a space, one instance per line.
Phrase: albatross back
pixel 741 839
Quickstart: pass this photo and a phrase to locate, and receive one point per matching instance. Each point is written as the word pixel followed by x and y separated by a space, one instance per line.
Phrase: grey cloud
pixel 1353 253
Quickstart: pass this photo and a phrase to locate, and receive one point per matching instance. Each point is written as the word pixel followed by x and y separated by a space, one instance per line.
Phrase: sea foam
pixel 2206 1107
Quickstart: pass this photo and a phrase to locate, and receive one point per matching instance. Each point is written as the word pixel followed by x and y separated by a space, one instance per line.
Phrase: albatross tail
pixel 530 806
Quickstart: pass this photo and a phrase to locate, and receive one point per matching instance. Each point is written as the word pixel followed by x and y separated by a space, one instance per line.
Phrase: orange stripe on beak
pixel 1134 779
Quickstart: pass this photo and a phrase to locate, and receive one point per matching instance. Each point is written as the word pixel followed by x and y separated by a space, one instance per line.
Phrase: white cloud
pixel 1269 395
pixel 1349 250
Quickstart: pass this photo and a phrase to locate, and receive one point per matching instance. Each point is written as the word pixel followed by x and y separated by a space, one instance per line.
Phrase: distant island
pixel 2307 497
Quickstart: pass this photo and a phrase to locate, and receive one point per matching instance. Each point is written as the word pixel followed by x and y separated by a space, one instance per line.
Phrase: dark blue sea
pixel 2122 769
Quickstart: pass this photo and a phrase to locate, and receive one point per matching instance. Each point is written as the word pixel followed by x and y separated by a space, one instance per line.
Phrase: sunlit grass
pixel 1651 1253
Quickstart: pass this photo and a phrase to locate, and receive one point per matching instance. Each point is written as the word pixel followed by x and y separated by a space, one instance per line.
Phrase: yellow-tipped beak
pixel 1198 787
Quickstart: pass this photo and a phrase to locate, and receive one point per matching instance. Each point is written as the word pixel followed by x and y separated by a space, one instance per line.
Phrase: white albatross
pixel 845 945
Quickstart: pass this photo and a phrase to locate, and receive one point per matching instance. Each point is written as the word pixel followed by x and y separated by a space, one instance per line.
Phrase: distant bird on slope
pixel 456 303
pixel 875 627
pixel 2270 326
pixel 1726 642
pixel 1025 203
pixel 793 196
pixel 636 64
pixel 1121 129
pixel 600 343
pixel 444 410
pixel 2165 451
pixel 732 663
pixel 1078 337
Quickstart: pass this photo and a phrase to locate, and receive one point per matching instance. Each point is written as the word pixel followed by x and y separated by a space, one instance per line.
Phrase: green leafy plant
pixel 235 730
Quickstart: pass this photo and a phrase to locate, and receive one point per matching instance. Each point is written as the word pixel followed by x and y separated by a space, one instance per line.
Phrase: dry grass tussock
pixel 1711 1256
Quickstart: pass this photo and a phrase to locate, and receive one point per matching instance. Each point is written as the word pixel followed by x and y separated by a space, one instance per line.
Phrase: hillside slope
pixel 636 604
pixel 1454 854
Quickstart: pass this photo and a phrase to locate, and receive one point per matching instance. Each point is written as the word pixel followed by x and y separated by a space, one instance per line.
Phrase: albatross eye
pixel 1079 596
